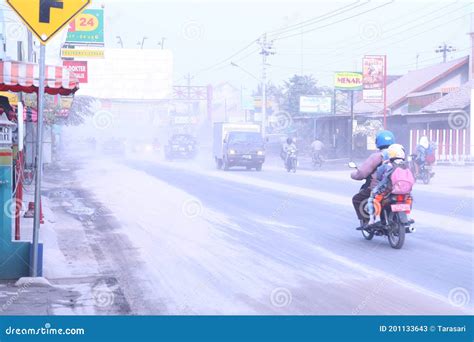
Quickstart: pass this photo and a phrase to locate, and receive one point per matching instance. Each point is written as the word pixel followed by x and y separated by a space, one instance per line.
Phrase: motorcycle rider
pixel 395 156
pixel 288 147
pixel 316 147
pixel 421 151
pixel 425 155
pixel 367 170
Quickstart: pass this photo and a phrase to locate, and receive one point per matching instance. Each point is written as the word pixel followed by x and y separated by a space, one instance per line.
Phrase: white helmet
pixel 424 142
pixel 396 151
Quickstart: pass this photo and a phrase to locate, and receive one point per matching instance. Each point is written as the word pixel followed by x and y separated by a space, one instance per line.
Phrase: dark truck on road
pixel 238 144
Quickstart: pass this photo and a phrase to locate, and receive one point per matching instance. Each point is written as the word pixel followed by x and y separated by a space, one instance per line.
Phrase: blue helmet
pixel 384 139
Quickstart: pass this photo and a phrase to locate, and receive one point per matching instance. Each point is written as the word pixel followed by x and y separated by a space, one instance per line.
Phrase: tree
pixel 298 86
pixel 82 106
pixel 273 92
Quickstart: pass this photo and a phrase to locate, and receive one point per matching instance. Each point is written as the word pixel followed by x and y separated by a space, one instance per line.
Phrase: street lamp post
pixel 119 41
pixel 142 43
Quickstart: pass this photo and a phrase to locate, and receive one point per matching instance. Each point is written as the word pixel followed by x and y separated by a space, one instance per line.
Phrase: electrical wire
pixel 336 22
pixel 317 19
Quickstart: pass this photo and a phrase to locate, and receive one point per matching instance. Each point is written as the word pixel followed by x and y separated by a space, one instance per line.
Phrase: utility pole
pixel 142 43
pixel 445 49
pixel 188 79
pixel 266 50
pixel 120 41
pixel 30 47
pixel 162 43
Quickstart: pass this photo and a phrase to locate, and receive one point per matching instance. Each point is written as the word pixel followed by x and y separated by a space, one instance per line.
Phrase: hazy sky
pixel 203 33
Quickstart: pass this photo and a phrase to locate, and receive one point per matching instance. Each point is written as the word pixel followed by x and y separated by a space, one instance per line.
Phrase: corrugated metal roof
pixel 458 99
pixel 413 81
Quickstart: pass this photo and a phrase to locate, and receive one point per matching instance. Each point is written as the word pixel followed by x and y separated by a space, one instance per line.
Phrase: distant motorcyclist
pixel 425 154
pixel 367 171
pixel 289 147
pixel 316 148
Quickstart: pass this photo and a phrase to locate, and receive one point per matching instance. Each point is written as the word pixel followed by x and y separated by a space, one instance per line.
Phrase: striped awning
pixel 24 77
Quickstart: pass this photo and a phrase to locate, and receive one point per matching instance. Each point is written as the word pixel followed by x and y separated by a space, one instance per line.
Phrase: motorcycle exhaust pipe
pixel 410 229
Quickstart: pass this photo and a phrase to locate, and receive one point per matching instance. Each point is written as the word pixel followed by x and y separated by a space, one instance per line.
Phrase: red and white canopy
pixel 24 77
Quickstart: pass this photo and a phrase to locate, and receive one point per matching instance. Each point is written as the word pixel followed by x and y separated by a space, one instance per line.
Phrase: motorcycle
pixel 291 160
pixel 425 171
pixel 394 222
pixel 317 160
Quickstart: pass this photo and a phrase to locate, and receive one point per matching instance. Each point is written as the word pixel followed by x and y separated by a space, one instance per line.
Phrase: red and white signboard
pixel 373 78
pixel 79 68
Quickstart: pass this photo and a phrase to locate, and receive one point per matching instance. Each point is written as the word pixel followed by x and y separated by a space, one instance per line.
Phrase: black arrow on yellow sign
pixel 45 9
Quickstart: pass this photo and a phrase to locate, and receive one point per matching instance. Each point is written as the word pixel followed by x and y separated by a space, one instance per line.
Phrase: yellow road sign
pixel 45 18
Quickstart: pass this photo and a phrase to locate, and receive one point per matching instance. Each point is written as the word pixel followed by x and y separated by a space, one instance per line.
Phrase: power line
pixel 344 44
pixel 274 32
pixel 336 22
pixel 403 39
pixel 226 59
pixel 318 19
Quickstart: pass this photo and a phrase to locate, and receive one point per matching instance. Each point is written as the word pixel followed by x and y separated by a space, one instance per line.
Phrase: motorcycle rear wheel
pixel 396 232
pixel 426 177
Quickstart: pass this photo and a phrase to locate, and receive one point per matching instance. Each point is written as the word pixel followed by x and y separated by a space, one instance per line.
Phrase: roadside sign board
pixel 373 71
pixel 82 53
pixel 87 28
pixel 45 18
pixel 79 68
pixel 348 80
pixel 316 104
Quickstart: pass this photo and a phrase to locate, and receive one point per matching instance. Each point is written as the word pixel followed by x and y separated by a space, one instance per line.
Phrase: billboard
pixel 373 78
pixel 82 53
pixel 345 80
pixel 316 104
pixel 87 28
pixel 79 68
pixel 132 74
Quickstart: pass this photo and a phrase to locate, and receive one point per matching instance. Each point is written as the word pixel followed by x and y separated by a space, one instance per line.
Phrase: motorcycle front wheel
pixel 367 235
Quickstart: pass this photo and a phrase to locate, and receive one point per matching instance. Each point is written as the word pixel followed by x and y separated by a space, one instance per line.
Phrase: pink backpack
pixel 402 180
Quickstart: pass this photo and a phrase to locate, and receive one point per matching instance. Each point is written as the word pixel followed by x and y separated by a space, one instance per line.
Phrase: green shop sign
pixel 87 28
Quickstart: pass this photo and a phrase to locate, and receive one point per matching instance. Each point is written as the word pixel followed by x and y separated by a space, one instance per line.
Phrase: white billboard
pixel 316 104
pixel 130 74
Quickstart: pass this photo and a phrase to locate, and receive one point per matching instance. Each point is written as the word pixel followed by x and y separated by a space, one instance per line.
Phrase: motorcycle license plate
pixel 400 207
pixel 247 156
